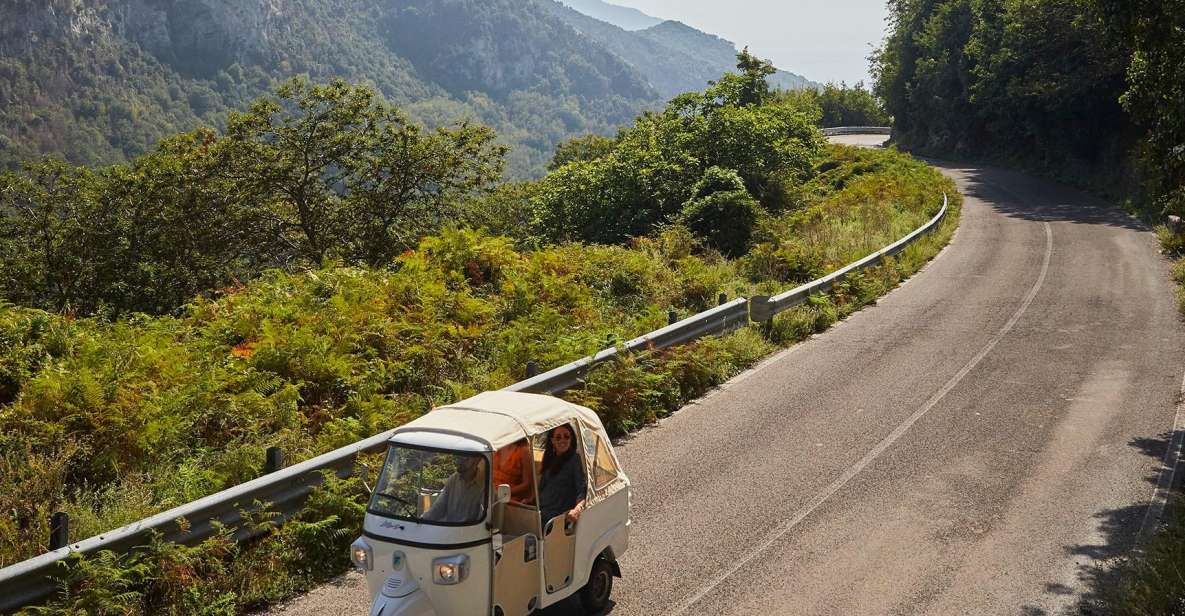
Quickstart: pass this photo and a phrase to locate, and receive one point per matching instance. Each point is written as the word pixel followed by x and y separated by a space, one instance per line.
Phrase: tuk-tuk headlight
pixel 361 555
pixel 450 569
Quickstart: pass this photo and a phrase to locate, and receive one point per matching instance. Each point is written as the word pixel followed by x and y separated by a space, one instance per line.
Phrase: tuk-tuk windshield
pixel 447 488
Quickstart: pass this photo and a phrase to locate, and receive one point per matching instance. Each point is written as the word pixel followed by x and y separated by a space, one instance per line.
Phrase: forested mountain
pixel 620 16
pixel 100 81
pixel 674 57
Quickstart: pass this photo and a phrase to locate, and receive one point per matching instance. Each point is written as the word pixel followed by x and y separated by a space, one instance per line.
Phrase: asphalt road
pixel 976 443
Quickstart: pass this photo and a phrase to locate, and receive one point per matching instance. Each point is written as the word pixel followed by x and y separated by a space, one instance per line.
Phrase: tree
pixel 748 87
pixel 1154 30
pixel 586 147
pixel 315 173
pixel 1034 82
pixel 721 212
pixel 649 175
pixel 345 175
pixel 45 216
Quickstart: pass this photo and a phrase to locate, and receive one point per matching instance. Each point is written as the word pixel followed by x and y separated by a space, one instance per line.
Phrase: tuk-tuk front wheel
pixel 595 594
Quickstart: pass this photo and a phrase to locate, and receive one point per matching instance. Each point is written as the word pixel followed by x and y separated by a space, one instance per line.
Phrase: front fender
pixel 414 604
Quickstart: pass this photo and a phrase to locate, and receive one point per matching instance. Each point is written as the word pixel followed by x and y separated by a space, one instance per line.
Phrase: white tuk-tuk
pixel 442 538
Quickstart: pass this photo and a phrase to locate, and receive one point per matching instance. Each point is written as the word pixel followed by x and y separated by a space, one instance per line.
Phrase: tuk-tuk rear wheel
pixel 595 594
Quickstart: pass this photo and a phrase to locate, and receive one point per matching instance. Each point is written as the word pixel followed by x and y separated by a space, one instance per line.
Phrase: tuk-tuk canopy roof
pixel 500 418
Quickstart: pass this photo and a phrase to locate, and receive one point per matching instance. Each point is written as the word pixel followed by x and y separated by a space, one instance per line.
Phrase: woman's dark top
pixel 561 488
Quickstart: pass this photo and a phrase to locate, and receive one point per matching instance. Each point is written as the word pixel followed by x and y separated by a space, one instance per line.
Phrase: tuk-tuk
pixel 441 538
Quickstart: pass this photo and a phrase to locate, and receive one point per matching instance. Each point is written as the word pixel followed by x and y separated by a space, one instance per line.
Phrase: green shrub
pixel 721 212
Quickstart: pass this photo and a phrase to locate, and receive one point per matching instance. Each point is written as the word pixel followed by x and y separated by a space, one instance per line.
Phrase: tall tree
pixel 1155 31
pixel 345 175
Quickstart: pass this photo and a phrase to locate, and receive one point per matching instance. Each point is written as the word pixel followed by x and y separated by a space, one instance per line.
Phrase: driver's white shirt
pixel 460 501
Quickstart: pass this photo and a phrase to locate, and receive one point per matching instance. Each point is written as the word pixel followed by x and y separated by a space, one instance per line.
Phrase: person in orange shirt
pixel 512 466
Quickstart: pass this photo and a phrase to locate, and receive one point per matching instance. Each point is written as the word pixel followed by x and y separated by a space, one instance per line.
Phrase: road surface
pixel 975 443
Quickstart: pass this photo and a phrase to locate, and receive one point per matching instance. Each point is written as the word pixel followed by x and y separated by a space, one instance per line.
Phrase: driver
pixel 463 497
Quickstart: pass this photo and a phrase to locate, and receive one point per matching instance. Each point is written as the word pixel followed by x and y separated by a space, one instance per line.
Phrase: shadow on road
pixel 1118 531
pixel 1050 202
pixel 571 607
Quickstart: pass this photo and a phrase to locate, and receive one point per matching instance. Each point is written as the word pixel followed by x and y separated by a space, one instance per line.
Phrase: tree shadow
pixel 572 607
pixel 1121 530
pixel 1047 201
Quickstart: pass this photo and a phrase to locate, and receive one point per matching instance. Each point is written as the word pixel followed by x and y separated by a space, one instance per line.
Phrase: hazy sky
pixel 823 40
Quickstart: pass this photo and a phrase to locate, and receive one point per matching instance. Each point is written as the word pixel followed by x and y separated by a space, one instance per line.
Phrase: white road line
pixel 1168 472
pixel 781 530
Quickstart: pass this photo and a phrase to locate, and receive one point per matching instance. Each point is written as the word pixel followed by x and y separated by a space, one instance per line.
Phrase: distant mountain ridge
pixel 623 17
pixel 674 57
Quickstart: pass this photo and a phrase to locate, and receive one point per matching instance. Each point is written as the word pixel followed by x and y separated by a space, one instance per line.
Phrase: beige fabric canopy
pixel 502 417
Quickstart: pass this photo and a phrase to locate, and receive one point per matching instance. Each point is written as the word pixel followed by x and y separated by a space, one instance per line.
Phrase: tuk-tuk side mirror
pixel 502 494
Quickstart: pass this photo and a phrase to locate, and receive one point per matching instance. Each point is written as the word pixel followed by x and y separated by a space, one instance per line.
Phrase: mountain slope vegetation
pixel 99 82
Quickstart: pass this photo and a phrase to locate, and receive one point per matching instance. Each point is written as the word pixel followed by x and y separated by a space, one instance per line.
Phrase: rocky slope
pixel 674 57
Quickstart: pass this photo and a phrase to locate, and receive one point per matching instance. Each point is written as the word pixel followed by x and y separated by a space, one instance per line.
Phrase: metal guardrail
pixel 722 319
pixel 763 308
pixel 285 490
pixel 858 130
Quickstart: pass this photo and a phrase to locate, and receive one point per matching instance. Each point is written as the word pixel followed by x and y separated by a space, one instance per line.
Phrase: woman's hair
pixel 552 461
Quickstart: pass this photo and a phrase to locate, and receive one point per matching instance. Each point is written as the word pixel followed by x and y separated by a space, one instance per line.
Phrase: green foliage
pixel 1154 31
pixel 1033 83
pixel 218 576
pixel 345 175
pixel 840 105
pixel 722 212
pixel 316 172
pixel 858 201
pixel 648 176
pixel 584 148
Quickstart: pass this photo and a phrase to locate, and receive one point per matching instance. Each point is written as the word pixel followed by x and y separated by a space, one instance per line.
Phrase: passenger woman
pixel 562 485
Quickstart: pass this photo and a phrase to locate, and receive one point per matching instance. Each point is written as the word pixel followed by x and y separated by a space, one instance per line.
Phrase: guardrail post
pixel 672 317
pixel 761 310
pixel 59 530
pixel 532 369
pixel 723 299
pixel 275 460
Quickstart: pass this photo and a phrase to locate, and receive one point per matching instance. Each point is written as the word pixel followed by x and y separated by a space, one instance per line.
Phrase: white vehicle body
pixel 494 556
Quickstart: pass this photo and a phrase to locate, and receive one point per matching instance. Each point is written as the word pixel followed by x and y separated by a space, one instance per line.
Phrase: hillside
pixel 101 81
pixel 620 16
pixel 674 58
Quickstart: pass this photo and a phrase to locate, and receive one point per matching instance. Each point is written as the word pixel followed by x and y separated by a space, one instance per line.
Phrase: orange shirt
pixel 508 469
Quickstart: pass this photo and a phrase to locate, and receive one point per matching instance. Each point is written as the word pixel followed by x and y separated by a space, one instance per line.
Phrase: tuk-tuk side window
pixel 433 487
pixel 604 467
